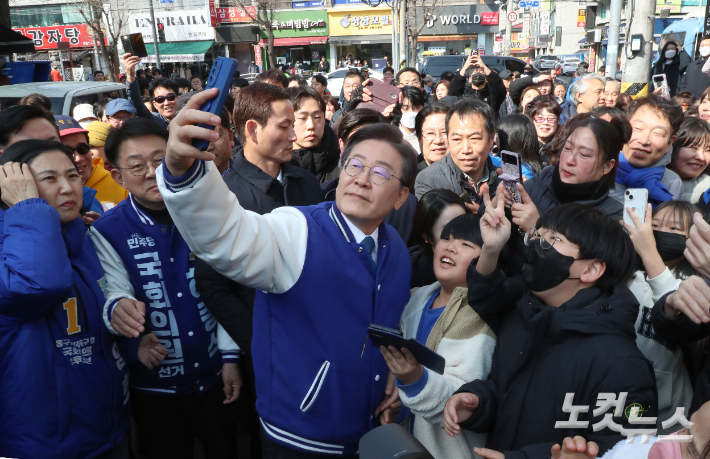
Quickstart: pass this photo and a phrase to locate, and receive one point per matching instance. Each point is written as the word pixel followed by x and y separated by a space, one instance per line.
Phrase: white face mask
pixel 670 54
pixel 705 51
pixel 408 120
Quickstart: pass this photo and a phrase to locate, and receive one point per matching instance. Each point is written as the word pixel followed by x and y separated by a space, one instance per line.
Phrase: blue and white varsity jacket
pixel 63 380
pixel 152 263
pixel 317 388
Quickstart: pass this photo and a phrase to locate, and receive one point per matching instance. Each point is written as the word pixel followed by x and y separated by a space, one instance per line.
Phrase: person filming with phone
pixel 163 94
pixel 483 84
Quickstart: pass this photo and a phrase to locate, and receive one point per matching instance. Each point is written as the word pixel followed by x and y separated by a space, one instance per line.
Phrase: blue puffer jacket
pixel 63 382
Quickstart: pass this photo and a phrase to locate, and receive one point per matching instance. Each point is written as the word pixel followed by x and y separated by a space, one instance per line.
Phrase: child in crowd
pixel 659 242
pixel 438 315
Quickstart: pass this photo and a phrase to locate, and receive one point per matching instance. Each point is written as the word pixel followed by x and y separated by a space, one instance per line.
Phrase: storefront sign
pixel 235 14
pixel 77 36
pixel 257 55
pixel 318 4
pixel 213 14
pixel 581 17
pixel 672 5
pixel 192 25
pixel 463 19
pixel 175 58
pixel 370 21
pixel 289 24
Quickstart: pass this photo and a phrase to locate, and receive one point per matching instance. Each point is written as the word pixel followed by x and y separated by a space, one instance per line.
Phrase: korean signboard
pixel 290 24
pixel 464 20
pixel 235 14
pixel 191 25
pixel 369 21
pixel 581 17
pixel 672 5
pixel 77 36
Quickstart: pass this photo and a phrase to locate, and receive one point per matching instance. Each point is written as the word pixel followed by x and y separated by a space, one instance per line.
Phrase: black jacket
pixel 672 71
pixel 681 331
pixel 587 346
pixel 445 174
pixel 518 86
pixel 231 303
pixel 324 67
pixel 422 267
pixel 493 93
pixel 320 160
pixel 695 81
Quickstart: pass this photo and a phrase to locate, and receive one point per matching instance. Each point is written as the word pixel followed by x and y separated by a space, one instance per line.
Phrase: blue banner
pixel 319 4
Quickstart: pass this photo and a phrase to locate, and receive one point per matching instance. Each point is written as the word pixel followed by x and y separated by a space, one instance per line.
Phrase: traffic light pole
pixel 155 35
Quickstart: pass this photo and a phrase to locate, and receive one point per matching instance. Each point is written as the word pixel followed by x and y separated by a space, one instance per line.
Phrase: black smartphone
pixel 133 43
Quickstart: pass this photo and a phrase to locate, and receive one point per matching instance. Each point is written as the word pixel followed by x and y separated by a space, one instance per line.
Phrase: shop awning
pixel 361 39
pixel 179 51
pixel 296 41
pixel 427 38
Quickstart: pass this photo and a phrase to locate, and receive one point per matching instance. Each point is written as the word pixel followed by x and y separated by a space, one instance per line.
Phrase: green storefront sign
pixel 288 24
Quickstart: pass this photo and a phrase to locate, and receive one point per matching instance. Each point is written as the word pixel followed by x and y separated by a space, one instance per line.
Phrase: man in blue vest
pixel 150 284
pixel 323 274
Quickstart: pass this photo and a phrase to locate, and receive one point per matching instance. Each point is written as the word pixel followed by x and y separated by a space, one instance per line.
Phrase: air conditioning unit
pixel 594 36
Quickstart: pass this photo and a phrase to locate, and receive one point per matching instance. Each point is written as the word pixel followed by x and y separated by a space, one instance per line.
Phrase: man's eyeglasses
pixel 138 169
pixel 220 140
pixel 378 174
pixel 169 97
pixel 81 149
pixel 548 239
pixel 542 119
pixel 430 136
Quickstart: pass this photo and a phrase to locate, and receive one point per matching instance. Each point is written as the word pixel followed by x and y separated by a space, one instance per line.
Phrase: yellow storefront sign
pixel 370 21
pixel 672 5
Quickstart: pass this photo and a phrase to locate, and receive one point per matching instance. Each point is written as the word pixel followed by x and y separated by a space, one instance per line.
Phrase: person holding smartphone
pixel 483 84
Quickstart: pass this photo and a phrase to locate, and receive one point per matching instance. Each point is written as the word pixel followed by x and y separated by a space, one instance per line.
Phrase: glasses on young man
pixel 139 169
pixel 169 97
pixel 81 149
pixel 378 174
pixel 547 240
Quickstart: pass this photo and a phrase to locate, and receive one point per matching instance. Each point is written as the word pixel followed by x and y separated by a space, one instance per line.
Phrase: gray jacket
pixel 446 175
pixel 670 179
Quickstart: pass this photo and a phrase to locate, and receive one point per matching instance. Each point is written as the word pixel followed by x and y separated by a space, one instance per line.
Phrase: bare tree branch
pixel 419 12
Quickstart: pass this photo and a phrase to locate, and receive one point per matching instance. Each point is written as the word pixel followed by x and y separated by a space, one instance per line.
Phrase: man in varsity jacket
pixel 150 284
pixel 323 274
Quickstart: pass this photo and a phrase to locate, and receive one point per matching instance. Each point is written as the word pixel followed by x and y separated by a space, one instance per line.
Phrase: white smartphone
pixel 660 81
pixel 636 199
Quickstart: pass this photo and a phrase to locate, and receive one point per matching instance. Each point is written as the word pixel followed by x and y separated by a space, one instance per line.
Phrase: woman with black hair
pixel 668 63
pixel 517 133
pixel 434 210
pixel 64 381
pixel 691 158
pixel 545 113
pixel 660 242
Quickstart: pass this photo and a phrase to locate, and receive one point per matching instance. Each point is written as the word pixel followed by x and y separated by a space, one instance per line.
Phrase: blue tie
pixel 369 244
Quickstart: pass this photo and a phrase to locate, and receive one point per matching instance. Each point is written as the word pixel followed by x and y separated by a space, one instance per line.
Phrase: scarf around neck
pixel 648 178
pixel 576 192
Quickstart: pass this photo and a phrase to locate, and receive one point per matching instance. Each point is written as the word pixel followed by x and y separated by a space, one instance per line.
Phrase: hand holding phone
pixel 220 77
pixel 636 199
pixel 134 44
pixel 512 174
pixel 660 82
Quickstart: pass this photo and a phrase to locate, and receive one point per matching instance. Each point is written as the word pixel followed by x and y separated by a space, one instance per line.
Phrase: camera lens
pixel 631 197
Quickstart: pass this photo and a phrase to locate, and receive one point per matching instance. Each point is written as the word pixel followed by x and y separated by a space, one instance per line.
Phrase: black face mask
pixel 478 79
pixel 670 245
pixel 545 269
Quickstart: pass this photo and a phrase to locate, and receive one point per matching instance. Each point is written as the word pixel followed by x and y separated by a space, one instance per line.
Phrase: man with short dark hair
pixel 99 75
pixel 163 94
pixel 387 72
pixel 22 122
pixel 157 73
pixel 274 76
pixel 323 65
pixel 196 83
pixel 655 121
pixel 312 399
pixel 253 68
pixel 408 76
pixel 470 128
pixel 352 80
pixel 150 288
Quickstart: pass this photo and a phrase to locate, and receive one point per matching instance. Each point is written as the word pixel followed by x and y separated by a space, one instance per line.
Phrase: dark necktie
pixel 369 245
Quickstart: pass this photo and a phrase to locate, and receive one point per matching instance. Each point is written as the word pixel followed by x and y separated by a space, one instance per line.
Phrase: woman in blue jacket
pixel 63 382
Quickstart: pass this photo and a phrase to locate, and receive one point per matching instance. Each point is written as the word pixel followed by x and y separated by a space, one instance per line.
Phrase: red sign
pixel 490 18
pixel 213 14
pixel 235 14
pixel 257 55
pixel 512 16
pixel 77 36
pixel 499 38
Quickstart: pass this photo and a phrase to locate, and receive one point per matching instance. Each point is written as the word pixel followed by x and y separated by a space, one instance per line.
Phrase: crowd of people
pixel 156 298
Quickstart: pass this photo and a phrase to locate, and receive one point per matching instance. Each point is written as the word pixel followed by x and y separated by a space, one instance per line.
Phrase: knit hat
pixel 98 132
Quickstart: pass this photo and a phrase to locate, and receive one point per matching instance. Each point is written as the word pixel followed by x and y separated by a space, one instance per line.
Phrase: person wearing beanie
pixel 92 172
pixel 98 132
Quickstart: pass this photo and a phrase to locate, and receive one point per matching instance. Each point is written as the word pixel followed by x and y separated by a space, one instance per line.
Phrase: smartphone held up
pixel 220 77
